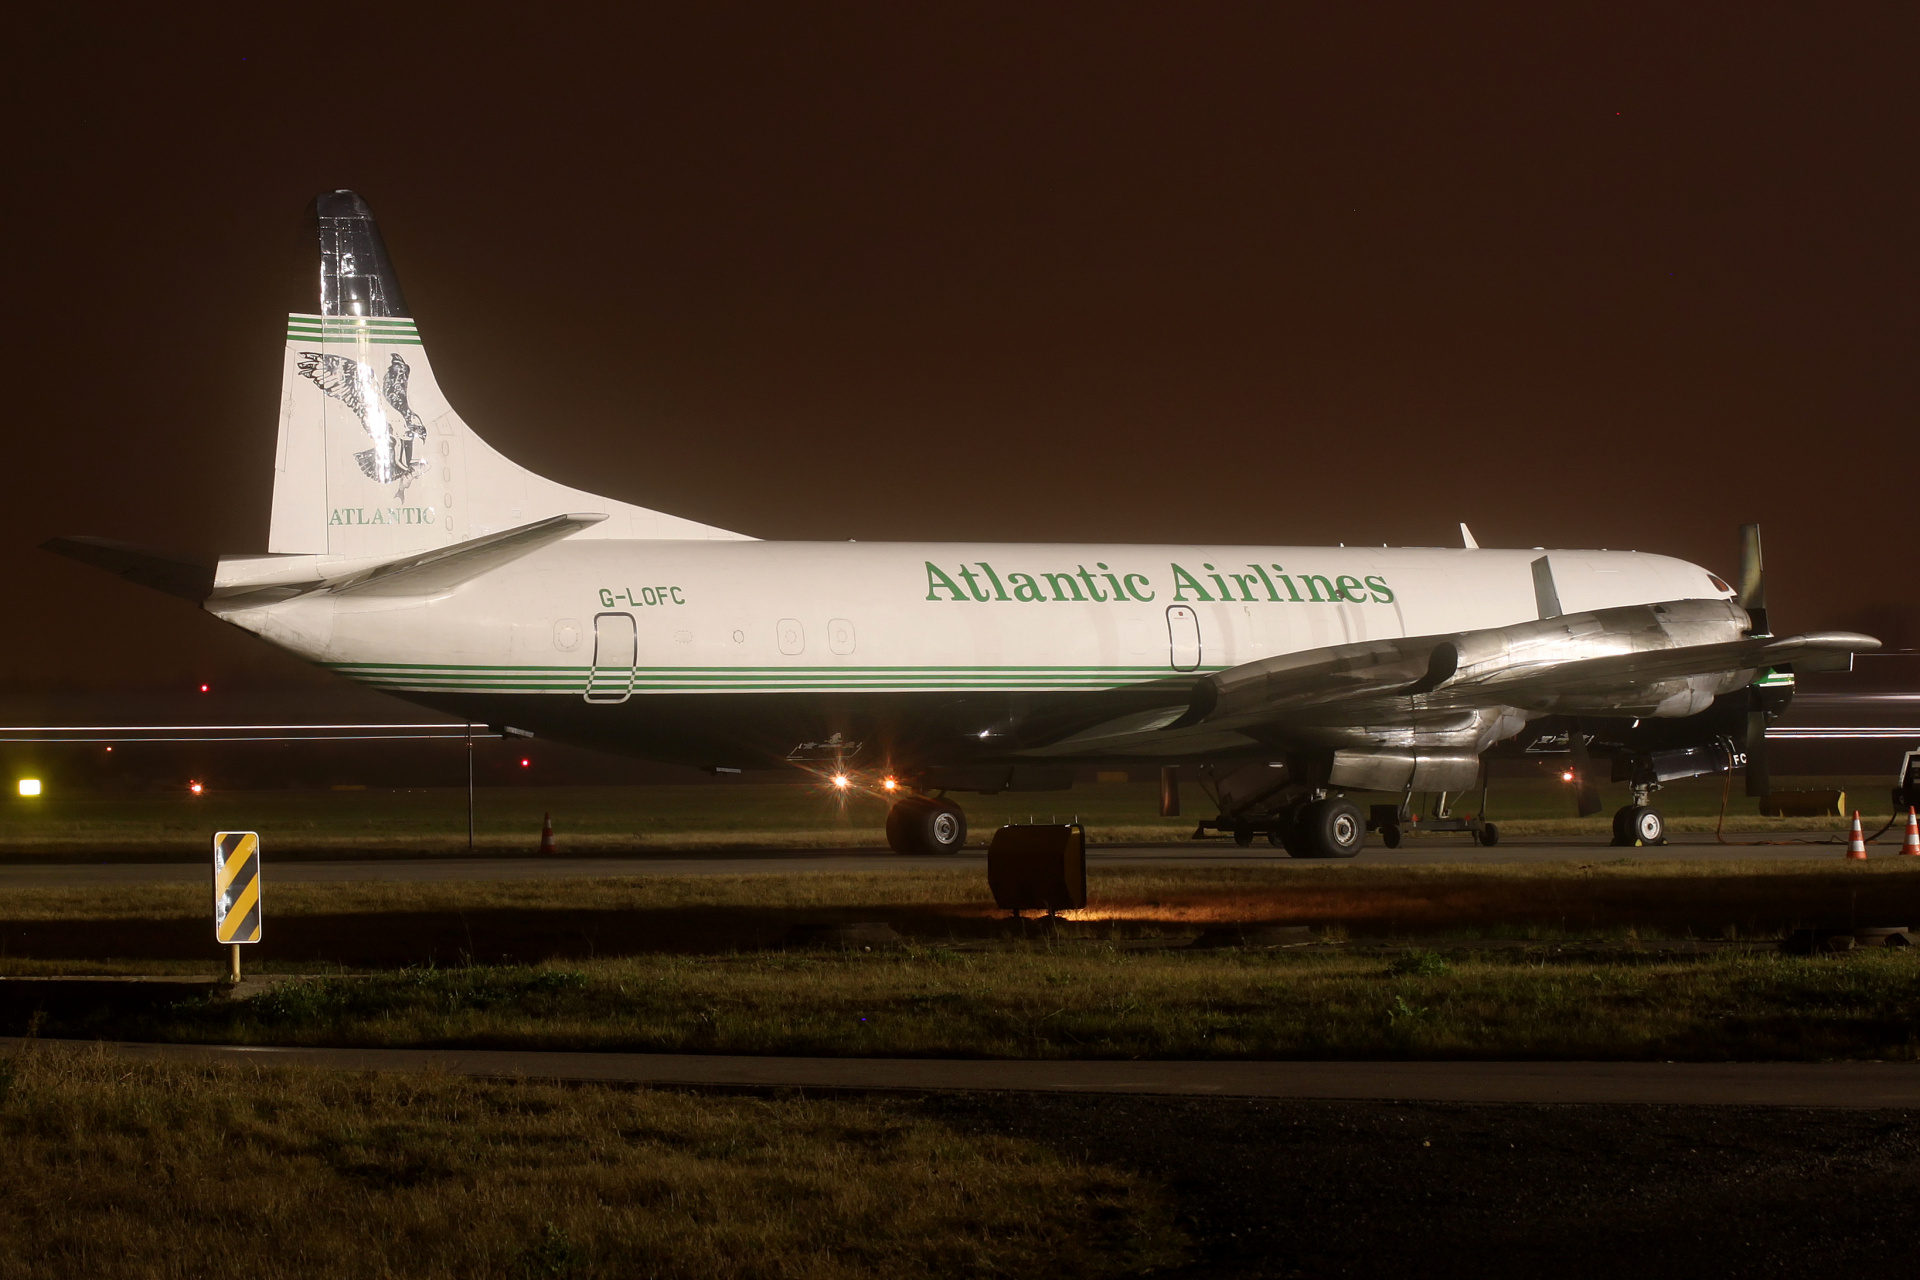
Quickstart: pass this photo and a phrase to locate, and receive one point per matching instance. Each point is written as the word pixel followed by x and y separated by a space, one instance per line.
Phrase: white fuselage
pixel 745 617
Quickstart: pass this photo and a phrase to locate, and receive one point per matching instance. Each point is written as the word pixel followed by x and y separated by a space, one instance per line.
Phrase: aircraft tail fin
pixel 372 459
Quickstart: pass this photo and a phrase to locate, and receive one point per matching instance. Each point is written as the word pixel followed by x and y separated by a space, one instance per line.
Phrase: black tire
pixel 1330 828
pixel 1277 832
pixel 920 824
pixel 1243 836
pixel 1390 836
pixel 1623 826
pixel 1648 826
pixel 900 825
pixel 1489 835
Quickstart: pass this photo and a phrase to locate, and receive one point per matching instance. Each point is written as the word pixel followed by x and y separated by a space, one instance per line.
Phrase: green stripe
pixel 305 330
pixel 994 670
pixel 370 339
pixel 474 678
pixel 823 682
pixel 389 332
pixel 390 322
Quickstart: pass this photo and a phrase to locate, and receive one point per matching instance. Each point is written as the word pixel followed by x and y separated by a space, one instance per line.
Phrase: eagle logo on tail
pixel 383 411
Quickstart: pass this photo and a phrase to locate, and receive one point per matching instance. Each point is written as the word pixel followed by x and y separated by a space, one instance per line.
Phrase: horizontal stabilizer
pixel 189 577
pixel 432 572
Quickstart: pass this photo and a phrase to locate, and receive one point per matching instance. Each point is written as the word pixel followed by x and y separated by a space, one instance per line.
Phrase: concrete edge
pixel 1851 1085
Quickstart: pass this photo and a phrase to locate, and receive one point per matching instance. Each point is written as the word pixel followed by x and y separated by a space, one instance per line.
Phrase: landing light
pixel 29 786
pixel 841 780
pixel 1567 776
pixel 196 788
pixel 890 784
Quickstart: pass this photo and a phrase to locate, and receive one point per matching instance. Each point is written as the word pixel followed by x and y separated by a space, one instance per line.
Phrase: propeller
pixel 1768 689
pixel 1752 595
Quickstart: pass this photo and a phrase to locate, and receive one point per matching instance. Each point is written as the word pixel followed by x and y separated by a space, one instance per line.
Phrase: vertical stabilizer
pixel 372 460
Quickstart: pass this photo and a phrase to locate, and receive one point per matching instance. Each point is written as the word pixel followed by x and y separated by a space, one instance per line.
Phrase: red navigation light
pixel 525 763
pixel 196 788
pixel 206 688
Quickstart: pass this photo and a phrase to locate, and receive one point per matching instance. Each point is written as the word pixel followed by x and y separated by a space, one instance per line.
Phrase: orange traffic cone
pixel 1857 841
pixel 547 850
pixel 1912 847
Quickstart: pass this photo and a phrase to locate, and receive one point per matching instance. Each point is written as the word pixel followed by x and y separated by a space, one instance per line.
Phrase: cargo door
pixel 616 647
pixel 1183 638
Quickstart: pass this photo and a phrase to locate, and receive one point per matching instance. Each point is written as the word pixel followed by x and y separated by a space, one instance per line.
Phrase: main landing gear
pixel 1639 823
pixel 922 824
pixel 1329 828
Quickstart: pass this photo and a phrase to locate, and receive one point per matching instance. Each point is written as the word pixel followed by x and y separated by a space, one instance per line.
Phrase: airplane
pixel 406 553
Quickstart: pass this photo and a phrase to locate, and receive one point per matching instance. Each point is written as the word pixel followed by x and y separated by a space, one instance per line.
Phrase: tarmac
pixel 1854 1085
pixel 1813 845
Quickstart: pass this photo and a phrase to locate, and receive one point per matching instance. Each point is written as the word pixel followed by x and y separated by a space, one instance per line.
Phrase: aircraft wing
pixel 1814 651
pixel 1320 677
pixel 1530 665
pixel 431 572
pixel 1626 657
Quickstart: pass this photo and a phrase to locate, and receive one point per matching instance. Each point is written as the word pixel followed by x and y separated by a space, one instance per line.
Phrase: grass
pixel 1751 892
pixel 1500 960
pixel 616 819
pixel 1100 1001
pixel 128 1169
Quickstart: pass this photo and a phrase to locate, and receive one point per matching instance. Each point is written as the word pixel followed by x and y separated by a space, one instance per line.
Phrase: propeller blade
pixel 1759 782
pixel 1752 595
pixel 1583 771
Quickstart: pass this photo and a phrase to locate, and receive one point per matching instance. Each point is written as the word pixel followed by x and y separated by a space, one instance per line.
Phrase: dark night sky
pixel 1612 276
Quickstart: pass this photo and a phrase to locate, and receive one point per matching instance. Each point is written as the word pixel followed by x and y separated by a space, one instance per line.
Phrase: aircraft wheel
pixel 1243 836
pixel 1489 835
pixel 1330 828
pixel 1277 831
pixel 1390 837
pixel 1623 826
pixel 1647 825
pixel 900 824
pixel 920 824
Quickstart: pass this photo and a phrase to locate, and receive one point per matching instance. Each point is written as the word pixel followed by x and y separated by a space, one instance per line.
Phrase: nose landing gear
pixel 1638 822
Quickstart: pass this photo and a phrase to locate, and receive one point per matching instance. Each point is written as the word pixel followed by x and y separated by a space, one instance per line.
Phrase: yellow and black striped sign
pixel 236 886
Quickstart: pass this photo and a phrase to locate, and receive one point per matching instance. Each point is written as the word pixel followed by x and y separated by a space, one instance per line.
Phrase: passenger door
pixel 1183 638
pixel 616 648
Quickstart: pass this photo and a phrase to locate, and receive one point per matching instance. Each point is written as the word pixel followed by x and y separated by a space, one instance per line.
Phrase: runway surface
pixel 1780 1084
pixel 1812 845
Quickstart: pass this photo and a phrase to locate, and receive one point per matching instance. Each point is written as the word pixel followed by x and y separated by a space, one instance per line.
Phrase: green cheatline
pixel 793 670
pixel 425 676
pixel 901 686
